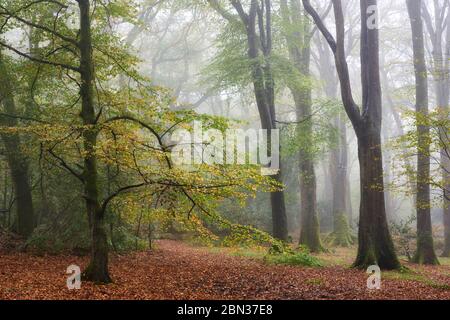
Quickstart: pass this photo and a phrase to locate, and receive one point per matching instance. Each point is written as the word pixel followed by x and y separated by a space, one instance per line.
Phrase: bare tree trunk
pixel 339 160
pixel 17 161
pixel 374 241
pixel 387 171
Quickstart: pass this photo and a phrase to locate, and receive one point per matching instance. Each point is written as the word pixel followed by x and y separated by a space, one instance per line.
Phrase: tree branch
pixel 319 23
pixel 224 13
pixel 117 193
pixel 8 13
pixel 338 48
pixel 66 166
pixel 240 10
pixel 29 57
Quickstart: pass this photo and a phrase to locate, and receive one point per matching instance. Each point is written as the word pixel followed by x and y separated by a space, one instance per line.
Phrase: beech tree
pixel 299 47
pixel 374 240
pixel 259 18
pixel 438 30
pixel 425 249
pixel 338 158
pixel 17 160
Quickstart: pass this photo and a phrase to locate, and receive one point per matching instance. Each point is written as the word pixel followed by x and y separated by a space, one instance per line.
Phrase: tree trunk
pixel 446 252
pixel 279 217
pixel 97 271
pixel 310 231
pixel 425 248
pixel 446 94
pixel 442 90
pixel 17 161
pixel 339 160
pixel 375 246
pixel 339 195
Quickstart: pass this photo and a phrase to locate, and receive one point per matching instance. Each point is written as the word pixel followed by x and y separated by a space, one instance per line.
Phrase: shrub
pixel 299 257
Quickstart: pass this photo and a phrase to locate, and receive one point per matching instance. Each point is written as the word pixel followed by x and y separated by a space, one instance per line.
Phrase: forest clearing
pixel 179 271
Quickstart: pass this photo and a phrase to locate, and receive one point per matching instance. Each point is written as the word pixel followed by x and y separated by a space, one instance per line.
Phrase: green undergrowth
pixel 410 275
pixel 296 258
pixel 288 256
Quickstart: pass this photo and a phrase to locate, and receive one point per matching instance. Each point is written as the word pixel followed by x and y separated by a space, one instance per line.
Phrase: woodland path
pixel 176 270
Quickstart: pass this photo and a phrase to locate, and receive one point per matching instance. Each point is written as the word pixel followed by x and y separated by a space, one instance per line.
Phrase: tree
pixel 259 53
pixel 17 160
pixel 338 161
pixel 299 47
pixel 374 240
pixel 440 44
pixel 425 249
pixel 97 269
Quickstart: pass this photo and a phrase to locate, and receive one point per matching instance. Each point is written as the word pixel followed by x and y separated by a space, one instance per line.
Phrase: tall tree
pixel 257 24
pixel 299 47
pixel 338 161
pixel 17 161
pixel 425 248
pixel 97 270
pixel 440 42
pixel 446 252
pixel 374 240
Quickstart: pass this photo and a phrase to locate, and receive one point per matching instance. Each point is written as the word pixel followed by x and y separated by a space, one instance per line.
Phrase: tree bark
pixel 374 241
pixel 310 230
pixel 17 161
pixel 97 270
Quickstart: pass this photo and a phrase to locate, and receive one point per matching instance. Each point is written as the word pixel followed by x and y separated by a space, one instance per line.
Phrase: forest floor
pixel 176 270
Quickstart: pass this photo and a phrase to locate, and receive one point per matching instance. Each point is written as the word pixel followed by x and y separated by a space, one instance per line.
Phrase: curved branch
pixel 141 123
pixel 66 166
pixel 338 48
pixel 29 57
pixel 320 25
pixel 117 193
pixel 146 126
pixel 8 13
